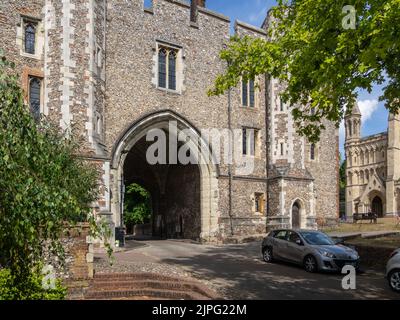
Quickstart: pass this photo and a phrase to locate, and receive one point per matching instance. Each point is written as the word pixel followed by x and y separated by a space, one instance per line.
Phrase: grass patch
pixel 383 224
pixel 392 242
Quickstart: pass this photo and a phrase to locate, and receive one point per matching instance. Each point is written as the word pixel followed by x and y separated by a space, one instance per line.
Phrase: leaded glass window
pixel 167 68
pixel 251 93
pixel 30 38
pixel 34 96
pixel 248 93
pixel 249 141
pixel 162 68
pixel 244 141
pixel 172 70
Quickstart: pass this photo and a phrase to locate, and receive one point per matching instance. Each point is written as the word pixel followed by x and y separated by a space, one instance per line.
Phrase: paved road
pixel 239 272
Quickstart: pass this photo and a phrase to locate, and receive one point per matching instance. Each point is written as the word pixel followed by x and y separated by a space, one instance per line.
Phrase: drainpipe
pixel 230 165
pixel 267 111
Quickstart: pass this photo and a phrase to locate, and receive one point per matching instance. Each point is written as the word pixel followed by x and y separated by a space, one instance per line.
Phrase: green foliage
pixel 45 187
pixel 137 205
pixel 322 64
pixel 31 289
pixel 342 174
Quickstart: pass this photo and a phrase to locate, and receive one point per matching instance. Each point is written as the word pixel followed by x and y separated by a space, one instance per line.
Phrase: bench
pixel 373 217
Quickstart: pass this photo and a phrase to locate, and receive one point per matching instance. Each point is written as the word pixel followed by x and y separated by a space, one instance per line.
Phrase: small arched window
pixel 34 96
pixel 312 151
pixel 30 38
pixel 350 129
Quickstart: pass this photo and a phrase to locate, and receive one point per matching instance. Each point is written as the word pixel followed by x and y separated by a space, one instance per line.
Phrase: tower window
pixel 248 93
pixel 281 106
pixel 282 149
pixel 35 85
pixel 167 68
pixel 30 37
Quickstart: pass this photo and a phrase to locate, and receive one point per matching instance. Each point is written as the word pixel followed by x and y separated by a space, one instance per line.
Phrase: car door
pixel 279 244
pixel 294 250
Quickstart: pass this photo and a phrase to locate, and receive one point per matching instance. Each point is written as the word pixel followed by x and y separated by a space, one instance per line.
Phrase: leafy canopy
pixel 44 186
pixel 322 63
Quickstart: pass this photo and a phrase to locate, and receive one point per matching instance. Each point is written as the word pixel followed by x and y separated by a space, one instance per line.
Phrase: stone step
pixel 146 285
pixel 133 276
pixel 148 293
pixel 152 284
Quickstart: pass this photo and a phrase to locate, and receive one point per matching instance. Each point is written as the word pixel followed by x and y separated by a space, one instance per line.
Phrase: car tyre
pixel 310 264
pixel 394 280
pixel 267 255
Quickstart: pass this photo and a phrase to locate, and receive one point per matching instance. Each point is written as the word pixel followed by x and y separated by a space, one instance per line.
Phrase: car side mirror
pixel 299 242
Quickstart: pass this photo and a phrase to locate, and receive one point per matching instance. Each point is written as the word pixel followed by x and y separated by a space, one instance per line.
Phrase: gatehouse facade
pixel 111 71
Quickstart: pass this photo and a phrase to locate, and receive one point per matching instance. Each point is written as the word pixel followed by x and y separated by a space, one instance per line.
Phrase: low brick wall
pixel 78 269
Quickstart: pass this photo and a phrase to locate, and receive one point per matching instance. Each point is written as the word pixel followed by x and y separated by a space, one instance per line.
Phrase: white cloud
pixel 367 108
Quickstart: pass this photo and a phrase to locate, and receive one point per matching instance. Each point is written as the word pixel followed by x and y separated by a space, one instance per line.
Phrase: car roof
pixel 299 230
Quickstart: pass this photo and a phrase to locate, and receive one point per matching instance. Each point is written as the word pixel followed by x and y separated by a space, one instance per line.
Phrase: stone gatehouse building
pixel 111 70
pixel 372 168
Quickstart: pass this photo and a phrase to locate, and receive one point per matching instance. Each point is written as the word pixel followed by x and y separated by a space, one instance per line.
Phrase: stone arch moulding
pixel 209 170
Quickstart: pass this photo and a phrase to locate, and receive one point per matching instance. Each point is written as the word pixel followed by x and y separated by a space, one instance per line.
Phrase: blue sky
pixel 254 11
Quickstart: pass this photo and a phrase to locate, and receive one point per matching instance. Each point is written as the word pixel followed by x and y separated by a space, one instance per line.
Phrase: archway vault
pixel 208 170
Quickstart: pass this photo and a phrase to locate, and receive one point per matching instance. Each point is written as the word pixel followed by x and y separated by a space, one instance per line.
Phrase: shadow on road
pixel 239 272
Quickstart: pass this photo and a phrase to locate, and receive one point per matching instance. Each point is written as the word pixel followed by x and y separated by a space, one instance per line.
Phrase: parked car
pixel 314 250
pixel 393 270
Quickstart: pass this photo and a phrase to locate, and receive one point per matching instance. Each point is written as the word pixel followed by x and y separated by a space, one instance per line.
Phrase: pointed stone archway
pixel 377 206
pixel 129 164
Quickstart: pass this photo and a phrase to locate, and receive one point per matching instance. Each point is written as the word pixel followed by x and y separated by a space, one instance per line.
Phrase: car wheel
pixel 310 264
pixel 394 280
pixel 267 255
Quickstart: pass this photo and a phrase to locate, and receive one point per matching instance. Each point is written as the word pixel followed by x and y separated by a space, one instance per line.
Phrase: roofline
pixel 202 10
pixel 250 27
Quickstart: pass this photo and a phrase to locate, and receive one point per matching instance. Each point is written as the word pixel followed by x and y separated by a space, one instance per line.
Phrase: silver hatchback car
pixel 393 270
pixel 313 249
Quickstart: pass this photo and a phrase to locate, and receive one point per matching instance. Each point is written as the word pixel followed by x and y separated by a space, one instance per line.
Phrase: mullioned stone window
pixel 248 94
pixel 30 37
pixel 167 63
pixel 250 143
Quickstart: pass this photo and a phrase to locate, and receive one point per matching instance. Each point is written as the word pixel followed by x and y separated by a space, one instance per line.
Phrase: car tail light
pixel 393 254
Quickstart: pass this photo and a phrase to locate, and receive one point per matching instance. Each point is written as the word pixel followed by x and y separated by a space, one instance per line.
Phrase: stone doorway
pixel 377 206
pixel 296 216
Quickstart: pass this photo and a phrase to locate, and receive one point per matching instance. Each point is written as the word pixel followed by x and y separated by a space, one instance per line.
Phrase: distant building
pixel 373 168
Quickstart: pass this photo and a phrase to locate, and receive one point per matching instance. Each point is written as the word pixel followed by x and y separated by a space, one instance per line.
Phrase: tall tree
pixel 314 47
